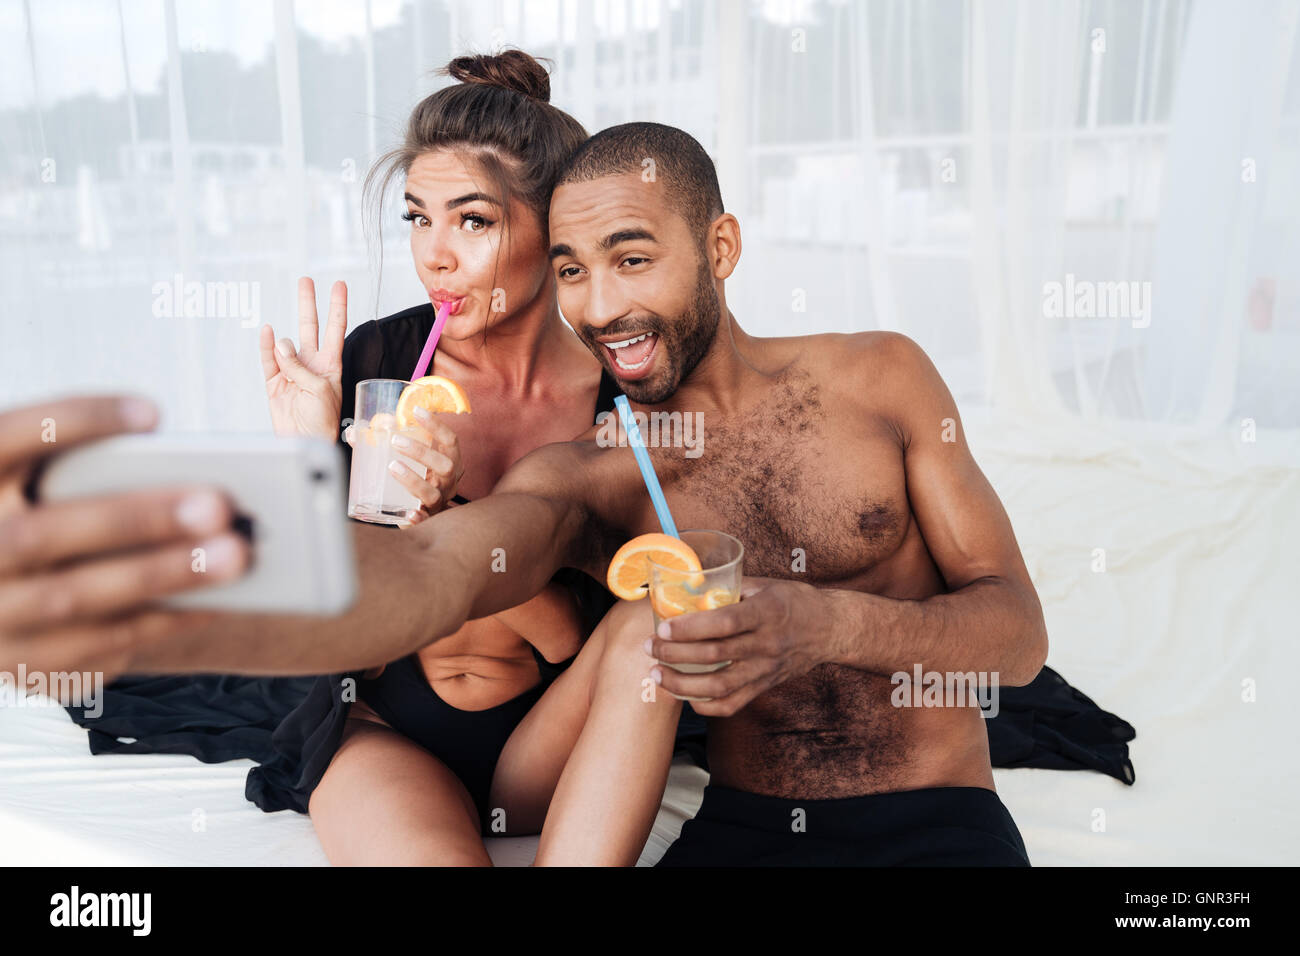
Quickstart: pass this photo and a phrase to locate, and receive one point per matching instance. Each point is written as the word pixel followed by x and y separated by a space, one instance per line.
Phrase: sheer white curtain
pixel 1085 210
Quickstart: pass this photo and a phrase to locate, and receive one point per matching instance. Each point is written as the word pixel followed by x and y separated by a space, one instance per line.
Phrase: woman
pixel 414 772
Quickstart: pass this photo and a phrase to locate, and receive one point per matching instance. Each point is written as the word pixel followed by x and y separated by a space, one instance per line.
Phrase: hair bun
pixel 511 69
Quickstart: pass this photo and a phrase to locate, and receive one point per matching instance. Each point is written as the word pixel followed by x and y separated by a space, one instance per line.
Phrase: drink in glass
pixel 374 493
pixel 674 591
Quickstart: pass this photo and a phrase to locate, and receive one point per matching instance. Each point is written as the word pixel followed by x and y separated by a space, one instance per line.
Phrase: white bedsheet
pixel 61 806
pixel 1198 596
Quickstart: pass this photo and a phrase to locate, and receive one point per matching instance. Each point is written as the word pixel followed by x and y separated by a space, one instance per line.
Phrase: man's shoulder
pixel 852 357
pixel 880 373
pixel 877 345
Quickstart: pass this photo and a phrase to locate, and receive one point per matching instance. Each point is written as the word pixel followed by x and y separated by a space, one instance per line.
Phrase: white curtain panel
pixel 1087 211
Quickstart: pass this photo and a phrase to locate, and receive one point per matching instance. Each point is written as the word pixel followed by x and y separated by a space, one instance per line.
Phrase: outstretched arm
pixel 416 586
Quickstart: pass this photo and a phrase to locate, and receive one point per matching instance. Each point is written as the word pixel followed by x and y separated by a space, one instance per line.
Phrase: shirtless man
pixel 847 447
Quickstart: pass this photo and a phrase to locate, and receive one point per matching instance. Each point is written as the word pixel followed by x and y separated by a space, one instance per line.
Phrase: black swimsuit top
pixel 390 348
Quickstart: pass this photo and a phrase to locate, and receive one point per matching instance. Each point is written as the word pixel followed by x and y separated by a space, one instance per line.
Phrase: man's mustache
pixel 625 327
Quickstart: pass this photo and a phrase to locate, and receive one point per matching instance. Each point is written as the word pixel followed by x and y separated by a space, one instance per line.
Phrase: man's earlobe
pixel 726 245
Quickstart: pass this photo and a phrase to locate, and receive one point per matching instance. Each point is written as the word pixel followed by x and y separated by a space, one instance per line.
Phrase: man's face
pixel 633 282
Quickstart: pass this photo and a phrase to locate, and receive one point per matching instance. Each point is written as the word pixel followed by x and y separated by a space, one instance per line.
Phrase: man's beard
pixel 681 342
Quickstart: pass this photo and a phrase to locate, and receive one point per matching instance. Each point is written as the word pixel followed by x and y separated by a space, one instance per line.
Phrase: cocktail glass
pixel 374 493
pixel 674 592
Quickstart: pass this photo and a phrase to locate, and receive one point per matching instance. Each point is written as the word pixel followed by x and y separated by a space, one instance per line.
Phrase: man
pixel 874 543
pixel 839 463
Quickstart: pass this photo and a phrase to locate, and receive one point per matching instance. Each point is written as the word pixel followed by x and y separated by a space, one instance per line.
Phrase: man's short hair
pixel 677 161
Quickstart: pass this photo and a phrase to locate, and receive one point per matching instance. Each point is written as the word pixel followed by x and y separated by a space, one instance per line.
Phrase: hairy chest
pixel 810 496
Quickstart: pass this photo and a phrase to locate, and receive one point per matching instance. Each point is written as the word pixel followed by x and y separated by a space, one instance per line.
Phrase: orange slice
pixel 434 393
pixel 383 422
pixel 715 598
pixel 669 600
pixel 675 598
pixel 629 572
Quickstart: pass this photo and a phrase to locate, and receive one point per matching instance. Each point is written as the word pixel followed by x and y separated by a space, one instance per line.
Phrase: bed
pixel 1185 623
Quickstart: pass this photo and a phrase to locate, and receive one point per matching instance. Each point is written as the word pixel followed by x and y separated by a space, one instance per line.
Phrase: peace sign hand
pixel 305 389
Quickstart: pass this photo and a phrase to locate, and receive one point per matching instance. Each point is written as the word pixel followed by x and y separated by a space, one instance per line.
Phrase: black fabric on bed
pixel 209 716
pixel 1047 723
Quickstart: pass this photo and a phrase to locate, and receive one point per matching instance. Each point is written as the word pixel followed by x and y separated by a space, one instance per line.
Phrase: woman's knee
pixel 624 663
pixel 626 628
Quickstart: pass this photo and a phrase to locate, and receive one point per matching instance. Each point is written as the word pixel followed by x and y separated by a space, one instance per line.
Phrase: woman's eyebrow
pixel 471 197
pixel 458 201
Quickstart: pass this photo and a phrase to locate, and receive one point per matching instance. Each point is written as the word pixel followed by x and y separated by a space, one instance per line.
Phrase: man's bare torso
pixel 809 474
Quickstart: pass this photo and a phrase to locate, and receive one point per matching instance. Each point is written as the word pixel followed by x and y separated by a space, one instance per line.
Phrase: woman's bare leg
pixel 533 758
pixel 609 794
pixel 386 801
pixel 592 756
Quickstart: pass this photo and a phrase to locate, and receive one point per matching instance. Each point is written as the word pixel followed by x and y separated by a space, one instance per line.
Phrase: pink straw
pixel 431 343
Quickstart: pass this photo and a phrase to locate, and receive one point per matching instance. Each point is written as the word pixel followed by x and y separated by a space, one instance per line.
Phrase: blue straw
pixel 647 469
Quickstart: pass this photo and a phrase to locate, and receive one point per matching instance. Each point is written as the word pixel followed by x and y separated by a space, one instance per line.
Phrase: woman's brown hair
pixel 499 115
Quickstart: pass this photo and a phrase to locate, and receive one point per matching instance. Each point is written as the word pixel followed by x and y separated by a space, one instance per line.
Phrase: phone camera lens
pixel 318 475
pixel 243 525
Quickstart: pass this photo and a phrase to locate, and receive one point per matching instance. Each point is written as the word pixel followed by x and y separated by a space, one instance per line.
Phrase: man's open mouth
pixel 633 354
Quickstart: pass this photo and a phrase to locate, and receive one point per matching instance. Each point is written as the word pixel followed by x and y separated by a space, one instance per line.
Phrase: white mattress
pixel 61 806
pixel 1199 594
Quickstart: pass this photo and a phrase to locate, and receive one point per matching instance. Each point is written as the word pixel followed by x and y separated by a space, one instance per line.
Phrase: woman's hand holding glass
pixel 434 446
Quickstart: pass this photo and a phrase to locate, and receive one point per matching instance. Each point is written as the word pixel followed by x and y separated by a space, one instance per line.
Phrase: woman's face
pixel 463 254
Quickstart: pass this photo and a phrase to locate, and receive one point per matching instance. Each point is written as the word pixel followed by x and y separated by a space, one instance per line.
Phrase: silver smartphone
pixel 289 494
